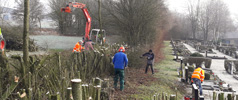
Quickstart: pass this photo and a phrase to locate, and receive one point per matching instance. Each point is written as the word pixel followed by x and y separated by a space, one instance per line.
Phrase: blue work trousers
pixel 198 83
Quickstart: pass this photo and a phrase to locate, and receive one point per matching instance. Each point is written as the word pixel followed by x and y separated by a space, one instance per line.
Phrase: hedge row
pixel 198 61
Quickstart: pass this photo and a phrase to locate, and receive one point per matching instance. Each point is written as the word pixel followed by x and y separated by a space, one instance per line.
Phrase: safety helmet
pixel 80 42
pixel 121 49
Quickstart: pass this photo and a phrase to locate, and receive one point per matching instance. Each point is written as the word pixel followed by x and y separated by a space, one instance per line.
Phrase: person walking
pixel 120 62
pixel 198 77
pixel 150 61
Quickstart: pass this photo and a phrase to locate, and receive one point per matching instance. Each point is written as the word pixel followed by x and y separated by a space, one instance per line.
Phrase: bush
pixel 13 37
pixel 207 76
pixel 134 58
pixel 227 64
pixel 198 61
pixel 190 68
pixel 196 55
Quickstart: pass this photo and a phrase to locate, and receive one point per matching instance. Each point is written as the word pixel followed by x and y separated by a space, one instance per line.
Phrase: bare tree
pixel 215 20
pixel 193 13
pixel 36 11
pixel 69 23
pixel 205 19
pixel 3 10
pixel 136 20
pixel 181 27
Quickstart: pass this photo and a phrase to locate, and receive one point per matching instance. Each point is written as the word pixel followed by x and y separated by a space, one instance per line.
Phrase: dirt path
pixel 217 67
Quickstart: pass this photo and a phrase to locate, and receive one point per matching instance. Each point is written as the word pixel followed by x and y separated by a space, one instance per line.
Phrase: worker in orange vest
pixel 198 77
pixel 78 47
pixel 66 9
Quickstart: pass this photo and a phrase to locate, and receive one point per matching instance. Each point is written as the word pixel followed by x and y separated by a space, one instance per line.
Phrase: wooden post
pixel 201 97
pixel 162 96
pixel 181 68
pixel 172 97
pixel 76 89
pixel 55 97
pixel 195 91
pixel 214 95
pixel 98 92
pixel 186 74
pixel 176 93
pixel 166 97
pixel 158 96
pixel 206 54
pixel 97 81
pixel 232 65
pixel 229 97
pixel 154 97
pixel 84 92
pixel 221 96
pixel 181 64
pixel 69 93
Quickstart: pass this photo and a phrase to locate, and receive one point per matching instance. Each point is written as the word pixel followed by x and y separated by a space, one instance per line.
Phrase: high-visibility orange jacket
pixel 78 47
pixel 199 74
pixel 68 9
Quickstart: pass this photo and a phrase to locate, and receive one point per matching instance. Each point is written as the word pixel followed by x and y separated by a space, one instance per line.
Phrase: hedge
pixel 198 61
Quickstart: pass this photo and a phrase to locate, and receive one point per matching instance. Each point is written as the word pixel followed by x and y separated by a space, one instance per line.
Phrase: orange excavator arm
pixel 67 9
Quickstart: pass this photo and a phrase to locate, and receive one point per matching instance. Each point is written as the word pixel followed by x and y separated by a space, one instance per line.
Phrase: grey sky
pixel 180 6
pixel 174 5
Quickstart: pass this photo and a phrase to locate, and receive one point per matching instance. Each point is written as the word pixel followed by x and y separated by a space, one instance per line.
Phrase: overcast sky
pixel 174 5
pixel 180 6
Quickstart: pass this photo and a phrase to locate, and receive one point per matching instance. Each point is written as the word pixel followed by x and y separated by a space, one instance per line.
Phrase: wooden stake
pixel 221 96
pixel 172 97
pixel 214 95
pixel 69 93
pixel 76 89
pixel 55 97
pixel 229 97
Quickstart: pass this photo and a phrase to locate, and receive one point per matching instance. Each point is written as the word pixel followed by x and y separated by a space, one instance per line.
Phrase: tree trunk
pixel 39 22
pixel 100 21
pixel 26 32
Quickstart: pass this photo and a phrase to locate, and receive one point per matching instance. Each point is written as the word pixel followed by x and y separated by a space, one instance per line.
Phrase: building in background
pixel 6 17
pixel 231 38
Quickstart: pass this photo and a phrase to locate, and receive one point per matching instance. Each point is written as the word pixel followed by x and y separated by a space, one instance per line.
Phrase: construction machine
pixel 95 34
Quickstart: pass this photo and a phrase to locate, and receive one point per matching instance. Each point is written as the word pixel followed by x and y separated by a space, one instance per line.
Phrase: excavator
pixel 94 35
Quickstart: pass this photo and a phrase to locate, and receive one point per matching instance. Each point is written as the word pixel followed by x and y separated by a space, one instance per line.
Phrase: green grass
pixel 56 50
pixel 167 77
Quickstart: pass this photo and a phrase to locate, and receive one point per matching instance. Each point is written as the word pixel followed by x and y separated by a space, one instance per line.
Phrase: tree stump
pixel 76 89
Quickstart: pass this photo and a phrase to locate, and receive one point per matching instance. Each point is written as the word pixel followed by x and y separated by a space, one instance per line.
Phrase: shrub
pixel 134 58
pixel 207 76
pixel 190 68
pixel 13 37
pixel 227 64
pixel 198 61
pixel 196 55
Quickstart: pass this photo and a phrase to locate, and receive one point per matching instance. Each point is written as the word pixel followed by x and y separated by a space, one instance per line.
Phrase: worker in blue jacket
pixel 120 62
